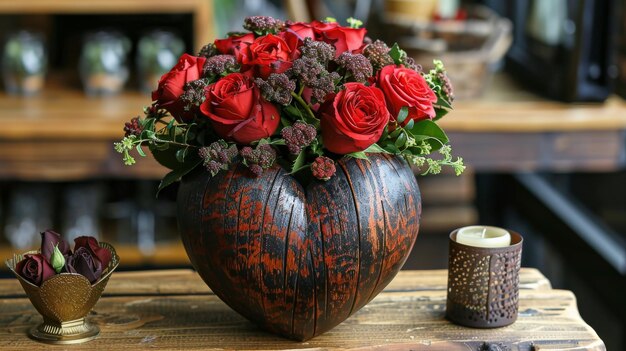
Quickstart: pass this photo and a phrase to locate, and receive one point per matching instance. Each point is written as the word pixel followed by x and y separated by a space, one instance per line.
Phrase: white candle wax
pixel 483 236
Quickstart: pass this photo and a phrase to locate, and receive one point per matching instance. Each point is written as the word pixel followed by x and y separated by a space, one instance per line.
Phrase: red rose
pixel 405 87
pixel 35 268
pixel 271 53
pixel 91 244
pixel 301 29
pixel 234 45
pixel 237 111
pixel 344 38
pixel 83 262
pixel 353 119
pixel 171 86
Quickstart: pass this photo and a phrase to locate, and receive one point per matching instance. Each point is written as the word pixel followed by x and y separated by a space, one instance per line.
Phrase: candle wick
pixel 483 233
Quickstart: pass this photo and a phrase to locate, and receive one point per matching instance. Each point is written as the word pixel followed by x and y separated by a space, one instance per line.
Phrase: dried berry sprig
pixel 259 159
pixel 323 168
pixel 133 127
pixel 298 136
pixel 262 25
pixel 357 67
pixel 220 65
pixel 277 87
pixel 218 156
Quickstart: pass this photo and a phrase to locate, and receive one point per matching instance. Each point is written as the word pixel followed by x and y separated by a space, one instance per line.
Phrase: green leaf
pixel 178 173
pixel 172 133
pixel 385 133
pixel 293 111
pixel 391 148
pixel 395 133
pixel 286 122
pixel 181 154
pixel 442 107
pixel 140 150
pixel 398 55
pixel 402 115
pixel 358 154
pixel 429 130
pixel 401 140
pixel 442 102
pixel 410 124
pixel 171 124
pixel 299 162
pixel 375 148
pixel 278 142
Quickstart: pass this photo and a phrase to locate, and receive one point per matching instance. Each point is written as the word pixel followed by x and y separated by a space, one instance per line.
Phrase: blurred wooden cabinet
pixel 57 162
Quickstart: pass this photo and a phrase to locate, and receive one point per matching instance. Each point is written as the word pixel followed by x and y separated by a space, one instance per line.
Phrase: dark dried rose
pixel 35 268
pixel 91 244
pixel 84 263
pixel 50 239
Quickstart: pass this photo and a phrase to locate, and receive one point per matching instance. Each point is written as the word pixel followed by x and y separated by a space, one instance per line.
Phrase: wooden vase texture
pixel 298 261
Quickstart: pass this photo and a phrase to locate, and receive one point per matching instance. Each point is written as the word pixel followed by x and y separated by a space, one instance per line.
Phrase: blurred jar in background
pixel 103 64
pixel 24 61
pixel 157 53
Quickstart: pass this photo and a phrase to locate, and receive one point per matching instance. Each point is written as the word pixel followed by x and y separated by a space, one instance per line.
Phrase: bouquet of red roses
pixel 300 94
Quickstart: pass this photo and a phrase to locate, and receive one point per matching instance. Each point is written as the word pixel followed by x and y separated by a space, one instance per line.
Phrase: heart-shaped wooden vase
pixel 300 261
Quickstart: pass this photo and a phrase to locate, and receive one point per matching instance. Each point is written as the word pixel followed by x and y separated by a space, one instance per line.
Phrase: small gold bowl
pixel 64 301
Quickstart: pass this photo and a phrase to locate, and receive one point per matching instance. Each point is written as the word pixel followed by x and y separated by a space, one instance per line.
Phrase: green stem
pixel 306 106
pixel 166 141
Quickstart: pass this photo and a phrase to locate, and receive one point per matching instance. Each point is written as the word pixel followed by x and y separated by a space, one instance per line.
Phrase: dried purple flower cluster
pixel 409 63
pixel 263 24
pixel 310 69
pixel 208 50
pixel 219 65
pixel 323 86
pixel 258 159
pixel 356 65
pixel 446 85
pixel 277 87
pixel 133 127
pixel 378 54
pixel 306 70
pixel 318 50
pixel 323 168
pixel 298 136
pixel 217 156
pixel 194 95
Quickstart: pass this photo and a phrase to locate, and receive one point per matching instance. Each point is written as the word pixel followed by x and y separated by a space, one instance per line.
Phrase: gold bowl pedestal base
pixel 72 332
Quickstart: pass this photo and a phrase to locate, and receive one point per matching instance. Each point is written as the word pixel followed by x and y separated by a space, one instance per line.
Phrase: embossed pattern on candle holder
pixel 483 283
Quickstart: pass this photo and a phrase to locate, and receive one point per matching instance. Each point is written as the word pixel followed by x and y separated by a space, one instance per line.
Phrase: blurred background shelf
pixel 201 11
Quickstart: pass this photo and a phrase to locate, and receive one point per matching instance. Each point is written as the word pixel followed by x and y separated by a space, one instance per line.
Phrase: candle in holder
pixel 483 276
pixel 483 236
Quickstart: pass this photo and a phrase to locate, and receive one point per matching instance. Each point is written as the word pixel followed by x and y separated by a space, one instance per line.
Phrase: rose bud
pixel 34 268
pixel 49 241
pixel 57 260
pixel 85 264
pixel 91 244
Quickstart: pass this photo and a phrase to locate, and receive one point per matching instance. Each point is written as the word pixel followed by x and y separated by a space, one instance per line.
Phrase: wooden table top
pixel 175 310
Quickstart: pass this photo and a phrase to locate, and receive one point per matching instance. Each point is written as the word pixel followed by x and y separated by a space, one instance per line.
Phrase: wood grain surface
pixel 300 262
pixel 407 315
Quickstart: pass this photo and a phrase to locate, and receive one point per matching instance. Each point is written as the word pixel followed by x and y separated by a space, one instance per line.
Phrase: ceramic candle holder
pixel 64 302
pixel 483 283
